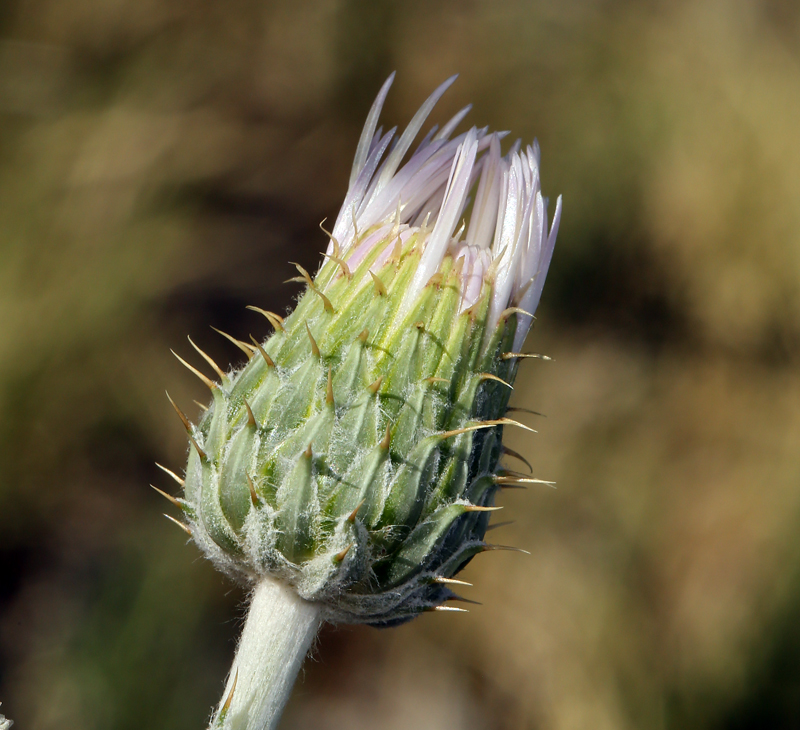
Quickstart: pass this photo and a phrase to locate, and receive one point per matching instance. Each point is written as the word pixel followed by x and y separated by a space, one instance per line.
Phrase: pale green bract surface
pixel 361 528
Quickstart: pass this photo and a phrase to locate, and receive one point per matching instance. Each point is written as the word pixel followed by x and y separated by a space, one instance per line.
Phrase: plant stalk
pixel 277 635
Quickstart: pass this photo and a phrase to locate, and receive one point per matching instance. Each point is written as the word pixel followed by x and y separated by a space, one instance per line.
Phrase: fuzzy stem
pixel 277 635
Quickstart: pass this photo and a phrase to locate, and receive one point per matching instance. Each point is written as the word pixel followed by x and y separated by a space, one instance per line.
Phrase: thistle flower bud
pixel 355 456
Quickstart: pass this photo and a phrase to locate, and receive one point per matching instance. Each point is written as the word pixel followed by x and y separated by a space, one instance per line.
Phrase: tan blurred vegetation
pixel 159 162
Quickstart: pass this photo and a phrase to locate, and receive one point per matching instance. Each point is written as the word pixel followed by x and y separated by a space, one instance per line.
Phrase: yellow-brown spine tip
pixel 168 497
pixel 314 347
pixel 251 419
pixel 210 383
pixel 253 495
pixel 184 527
pixel 380 287
pixel 229 698
pixel 341 555
pixel 329 389
pixel 263 352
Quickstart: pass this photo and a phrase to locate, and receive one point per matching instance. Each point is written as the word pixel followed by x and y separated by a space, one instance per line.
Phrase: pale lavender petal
pixel 403 144
pixel 367 134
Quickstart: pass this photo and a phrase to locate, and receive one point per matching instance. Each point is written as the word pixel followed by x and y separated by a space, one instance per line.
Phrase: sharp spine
pixel 510 452
pixel 450 581
pixel 171 473
pixel 263 352
pixel 514 310
pixel 510 548
pixel 217 369
pixel 340 556
pixel 352 517
pixel 525 410
pixel 210 383
pixel 251 419
pixel 168 497
pixel 513 480
pixel 253 495
pixel 314 347
pixel 329 389
pixel 274 319
pixel 520 355
pixel 496 379
pixel 229 698
pixel 186 422
pixel 380 287
pixel 245 348
pixel 184 527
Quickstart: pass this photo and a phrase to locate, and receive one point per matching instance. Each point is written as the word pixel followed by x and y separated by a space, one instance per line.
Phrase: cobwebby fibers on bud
pixel 349 470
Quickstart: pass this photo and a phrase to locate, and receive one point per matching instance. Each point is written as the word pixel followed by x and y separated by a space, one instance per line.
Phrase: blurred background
pixel 159 164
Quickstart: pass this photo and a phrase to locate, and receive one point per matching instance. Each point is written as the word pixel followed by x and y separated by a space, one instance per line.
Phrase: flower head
pixel 355 457
pixel 506 240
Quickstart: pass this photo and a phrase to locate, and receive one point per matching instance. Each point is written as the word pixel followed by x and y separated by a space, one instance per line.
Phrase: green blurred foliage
pixel 160 162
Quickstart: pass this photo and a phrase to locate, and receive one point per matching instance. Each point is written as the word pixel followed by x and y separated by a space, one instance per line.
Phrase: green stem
pixel 277 635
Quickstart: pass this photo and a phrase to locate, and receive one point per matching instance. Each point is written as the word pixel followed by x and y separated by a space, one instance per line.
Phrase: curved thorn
pixel 380 287
pixel 490 376
pixel 217 369
pixel 512 422
pixel 476 508
pixel 342 265
pixel 516 455
pixel 210 383
pixel 519 409
pixel 326 303
pixel 204 407
pixel 337 249
pixel 171 473
pixel 433 379
pixel 263 352
pixel 514 310
pixel 274 319
pixel 304 274
pixel 168 497
pixel 486 424
pixel 251 419
pixel 511 548
pixel 246 349
pixel 314 346
pixel 184 527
